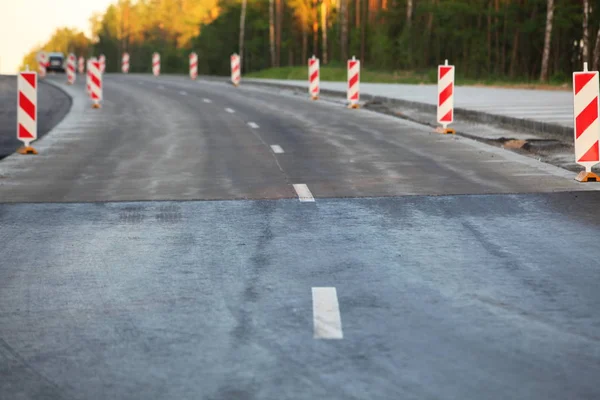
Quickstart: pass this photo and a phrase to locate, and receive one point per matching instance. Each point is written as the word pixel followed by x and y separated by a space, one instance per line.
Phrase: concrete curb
pixel 558 131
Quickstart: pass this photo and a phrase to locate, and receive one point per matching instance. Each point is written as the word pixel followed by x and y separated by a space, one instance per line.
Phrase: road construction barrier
pixel 27 110
pixel 353 82
pixel 96 82
pixel 587 127
pixel 125 63
pixel 42 59
pixel 156 64
pixel 71 68
pixel 81 65
pixel 445 101
pixel 235 69
pixel 193 66
pixel 313 78
pixel 88 77
pixel 102 60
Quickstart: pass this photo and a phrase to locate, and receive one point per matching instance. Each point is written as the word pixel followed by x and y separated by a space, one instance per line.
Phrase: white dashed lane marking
pixel 304 193
pixel 327 322
pixel 207 100
pixel 276 149
pixel 230 110
pixel 253 125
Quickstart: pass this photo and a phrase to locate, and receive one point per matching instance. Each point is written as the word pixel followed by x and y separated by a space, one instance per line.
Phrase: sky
pixel 27 23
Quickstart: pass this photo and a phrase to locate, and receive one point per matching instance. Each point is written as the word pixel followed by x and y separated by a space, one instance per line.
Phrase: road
pixel 549 106
pixel 461 271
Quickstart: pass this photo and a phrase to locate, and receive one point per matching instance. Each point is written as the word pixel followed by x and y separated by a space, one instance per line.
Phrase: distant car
pixel 56 62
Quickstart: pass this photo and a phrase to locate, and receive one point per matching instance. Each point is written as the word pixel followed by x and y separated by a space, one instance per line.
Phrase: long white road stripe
pixel 183 93
pixel 276 149
pixel 229 110
pixel 253 125
pixel 207 100
pixel 326 314
pixel 303 193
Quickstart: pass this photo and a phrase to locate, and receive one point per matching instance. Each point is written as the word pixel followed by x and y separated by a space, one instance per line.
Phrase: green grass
pixel 339 74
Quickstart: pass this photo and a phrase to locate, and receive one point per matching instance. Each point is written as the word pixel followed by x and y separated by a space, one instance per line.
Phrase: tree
pixel 344 30
pixel 596 63
pixel 242 29
pixel 586 31
pixel 272 31
pixel 547 37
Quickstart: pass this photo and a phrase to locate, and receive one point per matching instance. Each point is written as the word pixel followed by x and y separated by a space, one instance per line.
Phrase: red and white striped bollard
pixel 96 82
pixel 193 66
pixel 27 110
pixel 71 69
pixel 88 77
pixel 313 78
pixel 42 59
pixel 81 65
pixel 102 60
pixel 156 64
pixel 125 63
pixel 587 126
pixel 353 82
pixel 235 69
pixel 445 101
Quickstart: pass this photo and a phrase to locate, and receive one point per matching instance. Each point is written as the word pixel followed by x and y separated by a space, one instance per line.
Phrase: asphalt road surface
pixel 345 255
pixel 53 105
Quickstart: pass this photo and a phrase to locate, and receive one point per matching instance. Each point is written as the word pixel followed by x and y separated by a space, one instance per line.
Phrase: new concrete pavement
pixel 550 106
pixel 347 255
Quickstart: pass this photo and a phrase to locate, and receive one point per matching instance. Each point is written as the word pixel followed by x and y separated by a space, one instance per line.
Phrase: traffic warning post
pixel 102 60
pixel 353 82
pixel 88 78
pixel 313 78
pixel 193 66
pixel 235 69
pixel 81 65
pixel 42 59
pixel 96 82
pixel 156 64
pixel 445 100
pixel 71 60
pixel 27 110
pixel 125 63
pixel 586 125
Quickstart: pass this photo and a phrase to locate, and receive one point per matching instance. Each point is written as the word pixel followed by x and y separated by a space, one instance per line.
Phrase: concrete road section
pixel 53 105
pixel 422 297
pixel 172 139
pixel 550 106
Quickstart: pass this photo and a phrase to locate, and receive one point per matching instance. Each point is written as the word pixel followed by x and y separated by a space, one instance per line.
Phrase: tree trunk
pixel 305 43
pixel 596 63
pixel 515 54
pixel 315 28
pixel 324 27
pixel 489 37
pixel 242 28
pixel 357 13
pixel 344 31
pixel 272 32
pixel 409 12
pixel 586 31
pixel 363 31
pixel 278 17
pixel 547 41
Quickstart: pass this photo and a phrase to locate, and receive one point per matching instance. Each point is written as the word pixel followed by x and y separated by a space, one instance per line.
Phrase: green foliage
pixel 488 41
